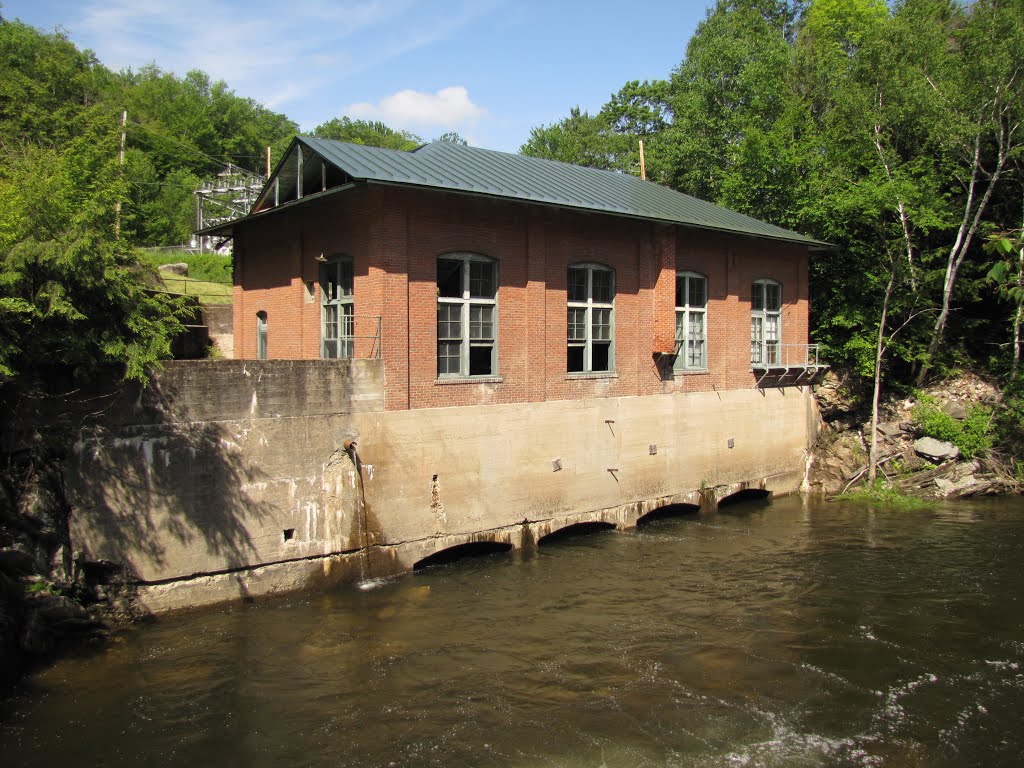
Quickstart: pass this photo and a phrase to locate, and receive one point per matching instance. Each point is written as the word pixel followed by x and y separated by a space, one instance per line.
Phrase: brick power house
pixel 519 346
pixel 483 278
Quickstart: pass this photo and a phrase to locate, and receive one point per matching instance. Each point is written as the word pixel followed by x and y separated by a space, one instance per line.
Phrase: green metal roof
pixel 470 170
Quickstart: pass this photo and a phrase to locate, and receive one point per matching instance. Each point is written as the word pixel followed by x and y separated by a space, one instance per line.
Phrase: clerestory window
pixel 590 317
pixel 691 322
pixel 336 308
pixel 765 323
pixel 467 316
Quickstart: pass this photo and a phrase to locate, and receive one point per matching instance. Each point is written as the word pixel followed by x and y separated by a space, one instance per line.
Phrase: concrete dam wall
pixel 228 479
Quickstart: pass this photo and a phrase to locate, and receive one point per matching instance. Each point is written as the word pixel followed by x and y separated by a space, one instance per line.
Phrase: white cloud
pixel 278 53
pixel 449 107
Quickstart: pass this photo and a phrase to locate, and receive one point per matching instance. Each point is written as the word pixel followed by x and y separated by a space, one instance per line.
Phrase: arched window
pixel 765 322
pixel 467 316
pixel 590 316
pixel 691 321
pixel 261 335
pixel 337 307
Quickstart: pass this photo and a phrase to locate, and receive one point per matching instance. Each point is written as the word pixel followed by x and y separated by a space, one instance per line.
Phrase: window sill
pixel 591 375
pixel 691 372
pixel 473 380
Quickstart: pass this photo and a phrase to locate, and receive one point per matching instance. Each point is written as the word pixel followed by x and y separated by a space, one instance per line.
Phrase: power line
pixel 191 148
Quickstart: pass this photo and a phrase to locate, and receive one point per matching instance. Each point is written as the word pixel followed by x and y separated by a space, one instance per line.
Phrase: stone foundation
pixel 234 479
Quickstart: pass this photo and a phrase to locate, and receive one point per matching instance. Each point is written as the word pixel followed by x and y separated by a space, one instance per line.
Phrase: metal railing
pixel 769 355
pixel 358 339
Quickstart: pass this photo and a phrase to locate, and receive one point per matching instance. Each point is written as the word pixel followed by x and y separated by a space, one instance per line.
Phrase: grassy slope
pixel 208 293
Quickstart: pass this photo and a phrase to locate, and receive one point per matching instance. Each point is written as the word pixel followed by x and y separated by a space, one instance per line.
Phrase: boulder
pixel 17 562
pixel 955 409
pixel 889 429
pixel 935 450
pixel 179 268
pixel 54 609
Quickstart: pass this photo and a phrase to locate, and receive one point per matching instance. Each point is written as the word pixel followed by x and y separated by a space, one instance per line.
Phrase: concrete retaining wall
pixel 232 478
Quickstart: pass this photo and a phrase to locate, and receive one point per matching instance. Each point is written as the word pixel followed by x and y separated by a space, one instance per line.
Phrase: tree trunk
pixel 1016 337
pixel 973 211
pixel 876 394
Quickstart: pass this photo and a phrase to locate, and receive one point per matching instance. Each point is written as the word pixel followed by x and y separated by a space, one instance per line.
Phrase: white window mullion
pixel 477 277
pixel 691 321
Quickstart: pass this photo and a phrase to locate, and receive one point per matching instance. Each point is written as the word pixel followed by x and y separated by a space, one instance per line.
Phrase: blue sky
pixel 489 69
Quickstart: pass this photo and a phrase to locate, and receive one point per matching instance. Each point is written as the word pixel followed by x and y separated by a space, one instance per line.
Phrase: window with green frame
pixel 590 319
pixel 336 308
pixel 691 322
pixel 467 316
pixel 765 323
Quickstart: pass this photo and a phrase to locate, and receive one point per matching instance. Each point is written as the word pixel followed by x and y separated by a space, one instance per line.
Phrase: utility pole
pixel 117 205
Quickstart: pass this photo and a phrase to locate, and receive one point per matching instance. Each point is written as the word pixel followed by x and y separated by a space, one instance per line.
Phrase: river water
pixel 791 633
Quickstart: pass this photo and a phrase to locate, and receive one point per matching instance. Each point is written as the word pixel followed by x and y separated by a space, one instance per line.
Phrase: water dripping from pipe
pixel 362 526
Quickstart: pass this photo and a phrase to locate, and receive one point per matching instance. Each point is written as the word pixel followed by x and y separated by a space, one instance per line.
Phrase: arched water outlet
pixel 574 531
pixel 669 510
pixel 746 494
pixel 471 549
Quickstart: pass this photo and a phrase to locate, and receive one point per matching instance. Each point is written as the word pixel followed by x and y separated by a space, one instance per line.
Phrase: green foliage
pixel 367 133
pixel 452 137
pixel 972 435
pixel 79 304
pixel 610 139
pixel 180 130
pixel 1008 423
pixel 71 296
pixel 731 137
pixel 1007 272
pixel 46 84
pixel 580 139
pixel 882 493
pixel 42 587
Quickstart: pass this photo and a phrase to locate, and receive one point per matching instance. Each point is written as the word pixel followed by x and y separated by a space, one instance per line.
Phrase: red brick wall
pixel 395 236
pixel 275 265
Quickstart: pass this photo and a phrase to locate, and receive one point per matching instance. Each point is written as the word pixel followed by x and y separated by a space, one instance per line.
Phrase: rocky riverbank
pixel 48 598
pixel 911 462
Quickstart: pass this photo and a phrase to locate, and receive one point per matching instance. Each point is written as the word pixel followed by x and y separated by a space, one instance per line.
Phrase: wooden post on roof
pixel 268 162
pixel 117 205
pixel 643 166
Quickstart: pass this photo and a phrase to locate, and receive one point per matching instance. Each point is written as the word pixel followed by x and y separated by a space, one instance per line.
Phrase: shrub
pixel 884 493
pixel 1009 420
pixel 972 435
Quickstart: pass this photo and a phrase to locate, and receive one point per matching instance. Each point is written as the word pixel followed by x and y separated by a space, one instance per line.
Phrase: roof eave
pixel 810 243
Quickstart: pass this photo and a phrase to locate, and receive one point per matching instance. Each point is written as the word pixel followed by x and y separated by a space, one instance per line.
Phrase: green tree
pixel 1007 273
pixel 71 297
pixel 730 140
pixel 368 133
pixel 46 84
pixel 580 139
pixel 452 137
pixel 640 112
pixel 985 109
